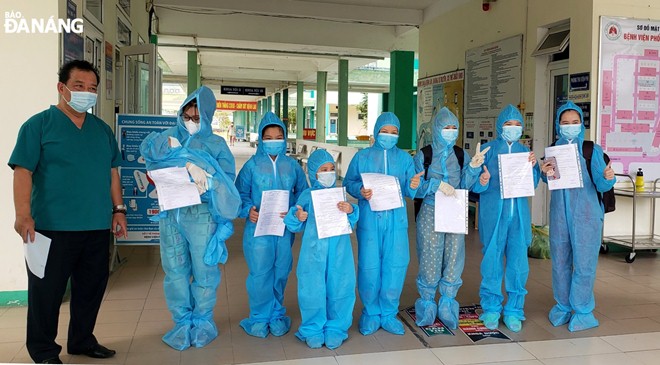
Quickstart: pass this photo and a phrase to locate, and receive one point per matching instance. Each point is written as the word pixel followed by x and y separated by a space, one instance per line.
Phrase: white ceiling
pixel 275 43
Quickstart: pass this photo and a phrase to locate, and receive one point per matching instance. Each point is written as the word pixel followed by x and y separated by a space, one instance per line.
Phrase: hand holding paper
pixel 199 176
pixel 446 189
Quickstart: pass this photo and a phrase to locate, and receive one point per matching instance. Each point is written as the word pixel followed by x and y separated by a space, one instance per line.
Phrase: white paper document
pixel 386 191
pixel 36 254
pixel 451 212
pixel 273 203
pixel 516 175
pixel 567 172
pixel 330 221
pixel 174 188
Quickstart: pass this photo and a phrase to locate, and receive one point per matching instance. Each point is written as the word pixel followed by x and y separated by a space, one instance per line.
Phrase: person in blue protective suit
pixel 269 258
pixel 192 238
pixel 383 254
pixel 504 229
pixel 442 255
pixel 576 223
pixel 326 269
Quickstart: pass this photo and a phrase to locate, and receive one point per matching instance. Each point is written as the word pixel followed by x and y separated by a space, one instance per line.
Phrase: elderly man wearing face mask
pixel 76 214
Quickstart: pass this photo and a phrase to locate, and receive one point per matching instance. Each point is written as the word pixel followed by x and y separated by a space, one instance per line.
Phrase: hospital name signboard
pixel 243 90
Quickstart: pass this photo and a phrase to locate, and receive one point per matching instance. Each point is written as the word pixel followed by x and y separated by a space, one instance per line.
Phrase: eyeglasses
pixel 194 118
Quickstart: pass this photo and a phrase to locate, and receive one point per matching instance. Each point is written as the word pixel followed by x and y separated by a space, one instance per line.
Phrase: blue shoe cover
pixel 490 319
pixel 393 326
pixel 280 326
pixel 448 312
pixel 178 337
pixel 314 342
pixel 558 316
pixel 582 321
pixel 513 323
pixel 369 324
pixel 256 329
pixel 425 311
pixel 203 332
pixel 334 339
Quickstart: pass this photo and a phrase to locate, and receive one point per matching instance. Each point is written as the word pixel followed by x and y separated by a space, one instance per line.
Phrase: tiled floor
pixel 134 316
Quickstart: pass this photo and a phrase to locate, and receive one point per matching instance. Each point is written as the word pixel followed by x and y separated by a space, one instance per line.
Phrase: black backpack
pixel 607 198
pixel 428 158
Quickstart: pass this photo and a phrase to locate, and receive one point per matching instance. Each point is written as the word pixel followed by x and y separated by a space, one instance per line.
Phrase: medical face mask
pixel 570 131
pixel 81 101
pixel 274 147
pixel 327 178
pixel 449 135
pixel 511 133
pixel 191 126
pixel 387 140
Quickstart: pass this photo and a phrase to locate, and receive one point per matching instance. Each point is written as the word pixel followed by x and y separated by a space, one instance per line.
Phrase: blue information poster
pixel 139 195
pixel 240 132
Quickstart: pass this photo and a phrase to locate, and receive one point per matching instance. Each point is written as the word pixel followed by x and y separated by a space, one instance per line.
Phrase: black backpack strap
pixel 428 157
pixel 460 156
pixel 587 152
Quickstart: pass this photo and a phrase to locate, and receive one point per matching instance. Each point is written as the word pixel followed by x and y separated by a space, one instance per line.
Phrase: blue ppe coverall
pixel 383 252
pixel 441 255
pixel 576 223
pixel 504 230
pixel 192 239
pixel 269 258
pixel 325 272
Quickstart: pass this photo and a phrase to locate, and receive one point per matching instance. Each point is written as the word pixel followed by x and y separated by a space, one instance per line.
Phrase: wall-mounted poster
pixel 492 81
pixel 433 93
pixel 629 94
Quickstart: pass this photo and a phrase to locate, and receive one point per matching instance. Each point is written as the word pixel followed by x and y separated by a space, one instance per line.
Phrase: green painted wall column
pixel 342 119
pixel 285 106
pixel 259 111
pixel 194 72
pixel 401 94
pixel 312 119
pixel 300 109
pixel 321 89
pixel 269 104
pixel 385 101
pixel 277 105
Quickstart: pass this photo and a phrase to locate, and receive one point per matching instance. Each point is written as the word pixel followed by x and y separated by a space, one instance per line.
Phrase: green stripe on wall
pixel 13 298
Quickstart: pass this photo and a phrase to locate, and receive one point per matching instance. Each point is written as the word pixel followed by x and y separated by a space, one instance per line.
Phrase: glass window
pixel 123 33
pixel 95 8
pixel 125 5
pixel 555 41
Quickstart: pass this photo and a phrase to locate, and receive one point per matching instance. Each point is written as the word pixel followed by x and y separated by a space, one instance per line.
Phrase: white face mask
pixel 191 126
pixel 327 178
pixel 81 101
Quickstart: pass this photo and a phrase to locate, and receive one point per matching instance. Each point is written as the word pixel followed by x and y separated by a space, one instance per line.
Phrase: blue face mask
pixel 511 133
pixel 326 178
pixel 570 131
pixel 449 135
pixel 81 101
pixel 274 147
pixel 387 140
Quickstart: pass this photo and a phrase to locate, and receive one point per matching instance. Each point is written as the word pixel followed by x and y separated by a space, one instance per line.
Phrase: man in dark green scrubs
pixel 67 188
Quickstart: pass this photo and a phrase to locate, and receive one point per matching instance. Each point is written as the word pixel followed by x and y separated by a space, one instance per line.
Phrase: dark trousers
pixel 84 257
